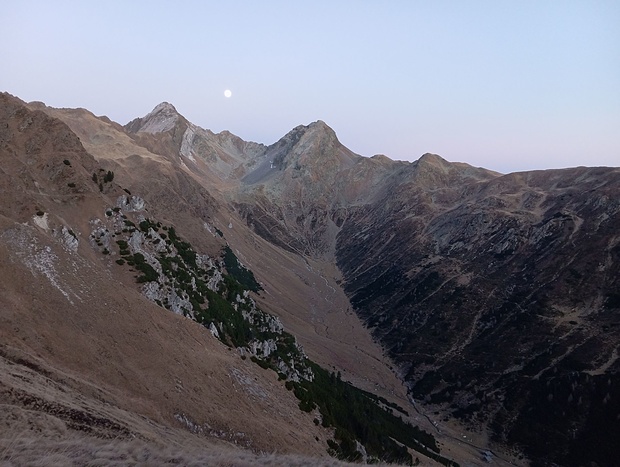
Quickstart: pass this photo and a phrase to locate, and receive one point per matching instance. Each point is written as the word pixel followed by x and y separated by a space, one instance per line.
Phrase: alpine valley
pixel 173 295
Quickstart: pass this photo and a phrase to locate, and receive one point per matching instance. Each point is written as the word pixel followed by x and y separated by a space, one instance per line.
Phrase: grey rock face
pixel 162 118
pixel 68 238
pixel 130 203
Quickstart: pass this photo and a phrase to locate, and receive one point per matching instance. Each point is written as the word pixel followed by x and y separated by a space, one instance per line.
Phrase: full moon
pixel 227 93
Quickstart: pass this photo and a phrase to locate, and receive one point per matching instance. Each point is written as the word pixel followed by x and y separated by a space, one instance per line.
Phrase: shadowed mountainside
pixel 501 303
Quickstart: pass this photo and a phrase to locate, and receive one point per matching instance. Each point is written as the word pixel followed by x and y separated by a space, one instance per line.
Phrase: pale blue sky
pixel 507 85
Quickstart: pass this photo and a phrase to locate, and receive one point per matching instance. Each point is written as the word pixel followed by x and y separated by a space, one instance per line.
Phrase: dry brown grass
pixel 27 450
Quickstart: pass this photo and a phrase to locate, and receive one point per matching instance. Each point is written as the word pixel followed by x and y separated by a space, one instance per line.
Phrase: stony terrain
pixel 483 304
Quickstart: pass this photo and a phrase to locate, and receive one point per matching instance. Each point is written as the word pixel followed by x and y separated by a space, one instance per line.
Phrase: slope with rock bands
pixel 499 300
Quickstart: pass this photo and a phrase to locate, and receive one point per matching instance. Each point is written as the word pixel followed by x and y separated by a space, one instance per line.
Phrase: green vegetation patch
pixel 243 275
pixel 356 416
pixel 149 274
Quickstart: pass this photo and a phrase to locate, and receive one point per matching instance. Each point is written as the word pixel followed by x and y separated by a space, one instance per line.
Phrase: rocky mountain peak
pixel 315 129
pixel 381 158
pixel 313 143
pixel 430 158
pixel 432 171
pixel 321 126
pixel 165 107
pixel 162 118
pixel 321 132
pixel 308 152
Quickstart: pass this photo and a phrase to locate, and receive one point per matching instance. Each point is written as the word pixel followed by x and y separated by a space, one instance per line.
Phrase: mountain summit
pixel 162 118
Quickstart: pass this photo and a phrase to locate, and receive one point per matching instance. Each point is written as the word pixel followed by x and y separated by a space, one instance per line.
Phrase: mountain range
pixel 166 287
